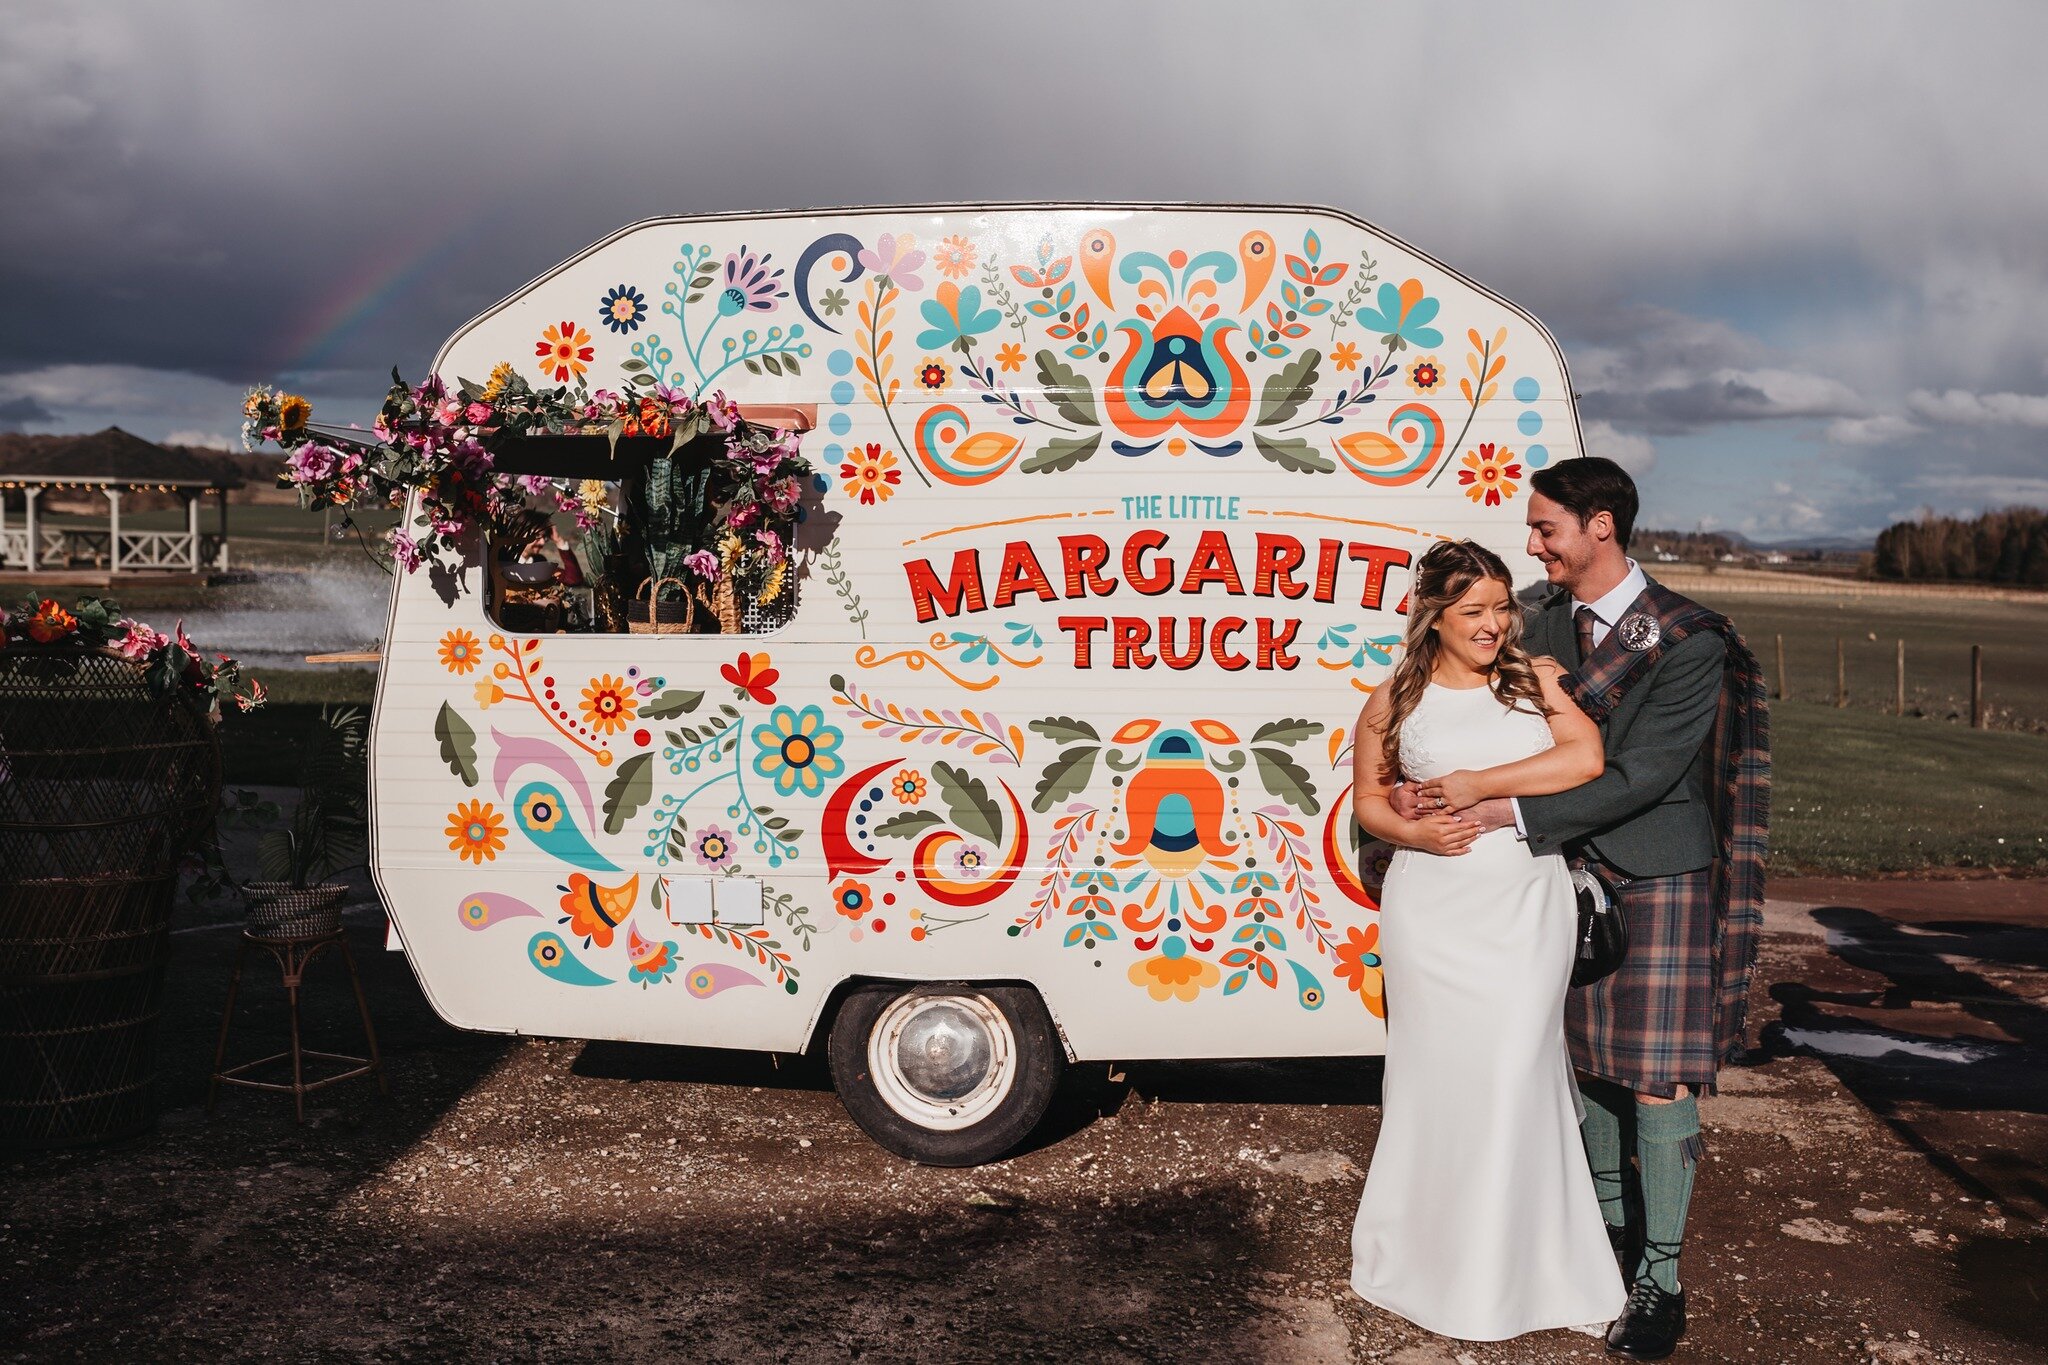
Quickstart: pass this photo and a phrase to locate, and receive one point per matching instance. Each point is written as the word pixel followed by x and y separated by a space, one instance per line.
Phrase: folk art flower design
pixel 870 474
pixel 1490 474
pixel 623 308
pixel 608 704
pixel 565 351
pixel 459 652
pixel 476 832
pixel 797 750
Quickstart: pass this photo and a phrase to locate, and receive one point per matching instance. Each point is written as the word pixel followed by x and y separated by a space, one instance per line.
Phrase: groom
pixel 1678 818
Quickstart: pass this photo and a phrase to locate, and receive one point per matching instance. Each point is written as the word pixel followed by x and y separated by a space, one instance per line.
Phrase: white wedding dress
pixel 1479 1219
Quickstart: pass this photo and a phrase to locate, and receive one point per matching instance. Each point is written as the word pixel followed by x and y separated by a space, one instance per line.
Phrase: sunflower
pixel 476 831
pixel 501 375
pixel 459 653
pixel 608 704
pixel 292 412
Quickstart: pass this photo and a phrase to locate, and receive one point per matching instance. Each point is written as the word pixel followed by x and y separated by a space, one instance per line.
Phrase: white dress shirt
pixel 1607 614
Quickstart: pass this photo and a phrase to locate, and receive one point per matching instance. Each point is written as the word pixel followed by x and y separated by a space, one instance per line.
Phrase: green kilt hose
pixel 1682 812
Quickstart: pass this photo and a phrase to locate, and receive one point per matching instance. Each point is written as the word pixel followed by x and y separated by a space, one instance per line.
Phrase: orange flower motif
pixel 1344 356
pixel 1358 966
pixel 1174 974
pixel 908 784
pixel 565 351
pixel 853 899
pixel 1010 356
pixel 954 257
pixel 50 622
pixel 459 653
pixel 476 831
pixel 1490 474
pixel 489 694
pixel 870 474
pixel 751 674
pixel 608 703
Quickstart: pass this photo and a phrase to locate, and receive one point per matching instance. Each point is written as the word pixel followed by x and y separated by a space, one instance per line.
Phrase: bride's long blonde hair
pixel 1445 575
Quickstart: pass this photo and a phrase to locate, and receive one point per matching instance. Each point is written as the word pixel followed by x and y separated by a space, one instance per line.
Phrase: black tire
pixel 1008 1096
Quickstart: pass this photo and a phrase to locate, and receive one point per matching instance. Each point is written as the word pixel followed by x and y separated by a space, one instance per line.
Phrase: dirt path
pixel 1874 1190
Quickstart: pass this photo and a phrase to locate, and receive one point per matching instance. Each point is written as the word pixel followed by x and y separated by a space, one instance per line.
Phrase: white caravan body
pixel 1119 512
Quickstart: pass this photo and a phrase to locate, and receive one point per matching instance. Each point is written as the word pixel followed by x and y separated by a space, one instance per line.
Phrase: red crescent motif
pixel 840 855
pixel 1344 867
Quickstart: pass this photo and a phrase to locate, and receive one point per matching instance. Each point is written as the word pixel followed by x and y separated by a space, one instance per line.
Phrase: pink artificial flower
pixel 140 641
pixel 725 414
pixel 351 462
pixel 477 413
pixel 745 517
pixel 449 413
pixel 702 563
pixel 311 463
pixel 405 550
pixel 770 542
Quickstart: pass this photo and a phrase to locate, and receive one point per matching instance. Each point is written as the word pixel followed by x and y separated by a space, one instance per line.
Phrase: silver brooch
pixel 1639 631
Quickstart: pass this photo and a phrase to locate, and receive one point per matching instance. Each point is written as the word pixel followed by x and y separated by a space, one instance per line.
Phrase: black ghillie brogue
pixel 1650 1325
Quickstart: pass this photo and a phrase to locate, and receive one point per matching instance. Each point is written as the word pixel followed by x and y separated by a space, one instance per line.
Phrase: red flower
pixel 751 674
pixel 50 622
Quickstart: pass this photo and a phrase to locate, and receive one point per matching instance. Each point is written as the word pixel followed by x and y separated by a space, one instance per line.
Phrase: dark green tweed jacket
pixel 1647 815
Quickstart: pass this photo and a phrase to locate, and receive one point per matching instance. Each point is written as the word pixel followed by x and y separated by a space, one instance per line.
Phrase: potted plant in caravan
pixel 326 833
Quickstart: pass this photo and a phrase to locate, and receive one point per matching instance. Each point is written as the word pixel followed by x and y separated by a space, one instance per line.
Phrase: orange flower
pixel 870 474
pixel 459 653
pixel 1489 476
pixel 50 622
pixel 292 412
pixel 1010 356
pixel 1358 966
pixel 608 703
pixel 1344 356
pixel 751 674
pixel 853 899
pixel 565 351
pixel 954 257
pixel 908 784
pixel 476 831
pixel 1174 974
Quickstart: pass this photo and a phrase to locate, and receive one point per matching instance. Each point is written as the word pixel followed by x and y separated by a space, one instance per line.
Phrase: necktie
pixel 1582 621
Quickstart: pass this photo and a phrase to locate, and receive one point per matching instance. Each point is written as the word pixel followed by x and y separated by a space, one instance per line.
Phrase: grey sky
pixel 1792 251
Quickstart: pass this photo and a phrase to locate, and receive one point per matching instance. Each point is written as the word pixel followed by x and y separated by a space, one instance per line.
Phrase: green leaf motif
pixel 1287 779
pixel 1290 386
pixel 1064 729
pixel 1065 776
pixel 625 794
pixel 968 802
pixel 1292 453
pixel 908 825
pixel 458 744
pixel 1287 730
pixel 1067 390
pixel 670 704
pixel 1062 453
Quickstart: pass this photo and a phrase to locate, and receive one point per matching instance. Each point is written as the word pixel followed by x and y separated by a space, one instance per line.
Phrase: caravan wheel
pixel 945 1075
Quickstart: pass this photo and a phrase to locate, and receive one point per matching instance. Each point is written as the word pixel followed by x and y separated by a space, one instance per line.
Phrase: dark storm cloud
pixel 240 193
pixel 18 414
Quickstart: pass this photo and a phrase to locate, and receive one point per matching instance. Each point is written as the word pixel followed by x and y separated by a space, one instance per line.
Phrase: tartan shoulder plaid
pixel 1738 797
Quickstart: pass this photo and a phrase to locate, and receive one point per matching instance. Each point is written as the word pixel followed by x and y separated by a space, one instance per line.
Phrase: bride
pixel 1479 1218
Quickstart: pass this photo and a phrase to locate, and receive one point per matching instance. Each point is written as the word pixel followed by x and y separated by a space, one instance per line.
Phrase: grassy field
pixel 1938 632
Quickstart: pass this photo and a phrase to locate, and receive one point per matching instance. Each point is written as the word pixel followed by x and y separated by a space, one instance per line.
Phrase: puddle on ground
pixel 1847 1043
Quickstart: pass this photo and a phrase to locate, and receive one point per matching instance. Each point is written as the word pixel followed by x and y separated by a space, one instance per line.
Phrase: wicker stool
pixel 293 956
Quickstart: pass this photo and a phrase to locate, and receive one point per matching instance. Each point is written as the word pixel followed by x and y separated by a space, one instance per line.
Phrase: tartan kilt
pixel 1649 1025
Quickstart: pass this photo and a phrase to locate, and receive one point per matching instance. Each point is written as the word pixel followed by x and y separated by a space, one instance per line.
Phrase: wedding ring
pixel 1440 803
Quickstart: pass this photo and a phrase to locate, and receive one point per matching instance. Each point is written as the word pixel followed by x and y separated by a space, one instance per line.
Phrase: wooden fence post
pixel 1976 687
pixel 1781 668
pixel 1899 683
pixel 1841 674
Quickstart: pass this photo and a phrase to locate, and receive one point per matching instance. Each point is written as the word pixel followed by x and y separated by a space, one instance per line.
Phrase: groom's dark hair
pixel 1588 486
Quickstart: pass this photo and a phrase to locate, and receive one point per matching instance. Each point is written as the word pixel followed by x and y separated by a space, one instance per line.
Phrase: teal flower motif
pixel 798 751
pixel 956 317
pixel 1400 317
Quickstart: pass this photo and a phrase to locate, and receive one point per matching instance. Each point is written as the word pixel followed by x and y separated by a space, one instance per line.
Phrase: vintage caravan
pixel 1050 760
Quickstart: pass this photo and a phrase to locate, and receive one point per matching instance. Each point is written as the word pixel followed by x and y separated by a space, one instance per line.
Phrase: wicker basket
pixel 103 788
pixel 281 910
pixel 645 618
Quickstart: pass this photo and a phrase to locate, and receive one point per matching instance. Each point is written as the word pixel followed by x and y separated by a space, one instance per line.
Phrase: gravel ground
pixel 1874 1190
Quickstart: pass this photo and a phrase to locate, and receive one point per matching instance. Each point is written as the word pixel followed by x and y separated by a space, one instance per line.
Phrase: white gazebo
pixel 112 463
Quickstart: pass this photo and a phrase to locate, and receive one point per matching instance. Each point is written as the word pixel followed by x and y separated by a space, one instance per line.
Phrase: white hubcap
pixel 944 1062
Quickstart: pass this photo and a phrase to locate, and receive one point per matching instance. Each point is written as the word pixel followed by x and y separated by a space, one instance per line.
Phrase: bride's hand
pixel 1444 835
pixel 1452 791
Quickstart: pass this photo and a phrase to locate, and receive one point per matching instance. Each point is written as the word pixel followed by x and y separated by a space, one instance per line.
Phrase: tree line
pixel 2008 546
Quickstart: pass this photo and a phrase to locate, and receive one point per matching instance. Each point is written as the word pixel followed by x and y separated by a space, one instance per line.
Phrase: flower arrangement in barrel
pixel 169 662
pixel 440 442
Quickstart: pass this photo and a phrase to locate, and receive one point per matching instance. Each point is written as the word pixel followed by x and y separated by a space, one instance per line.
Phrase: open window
pixel 642 535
